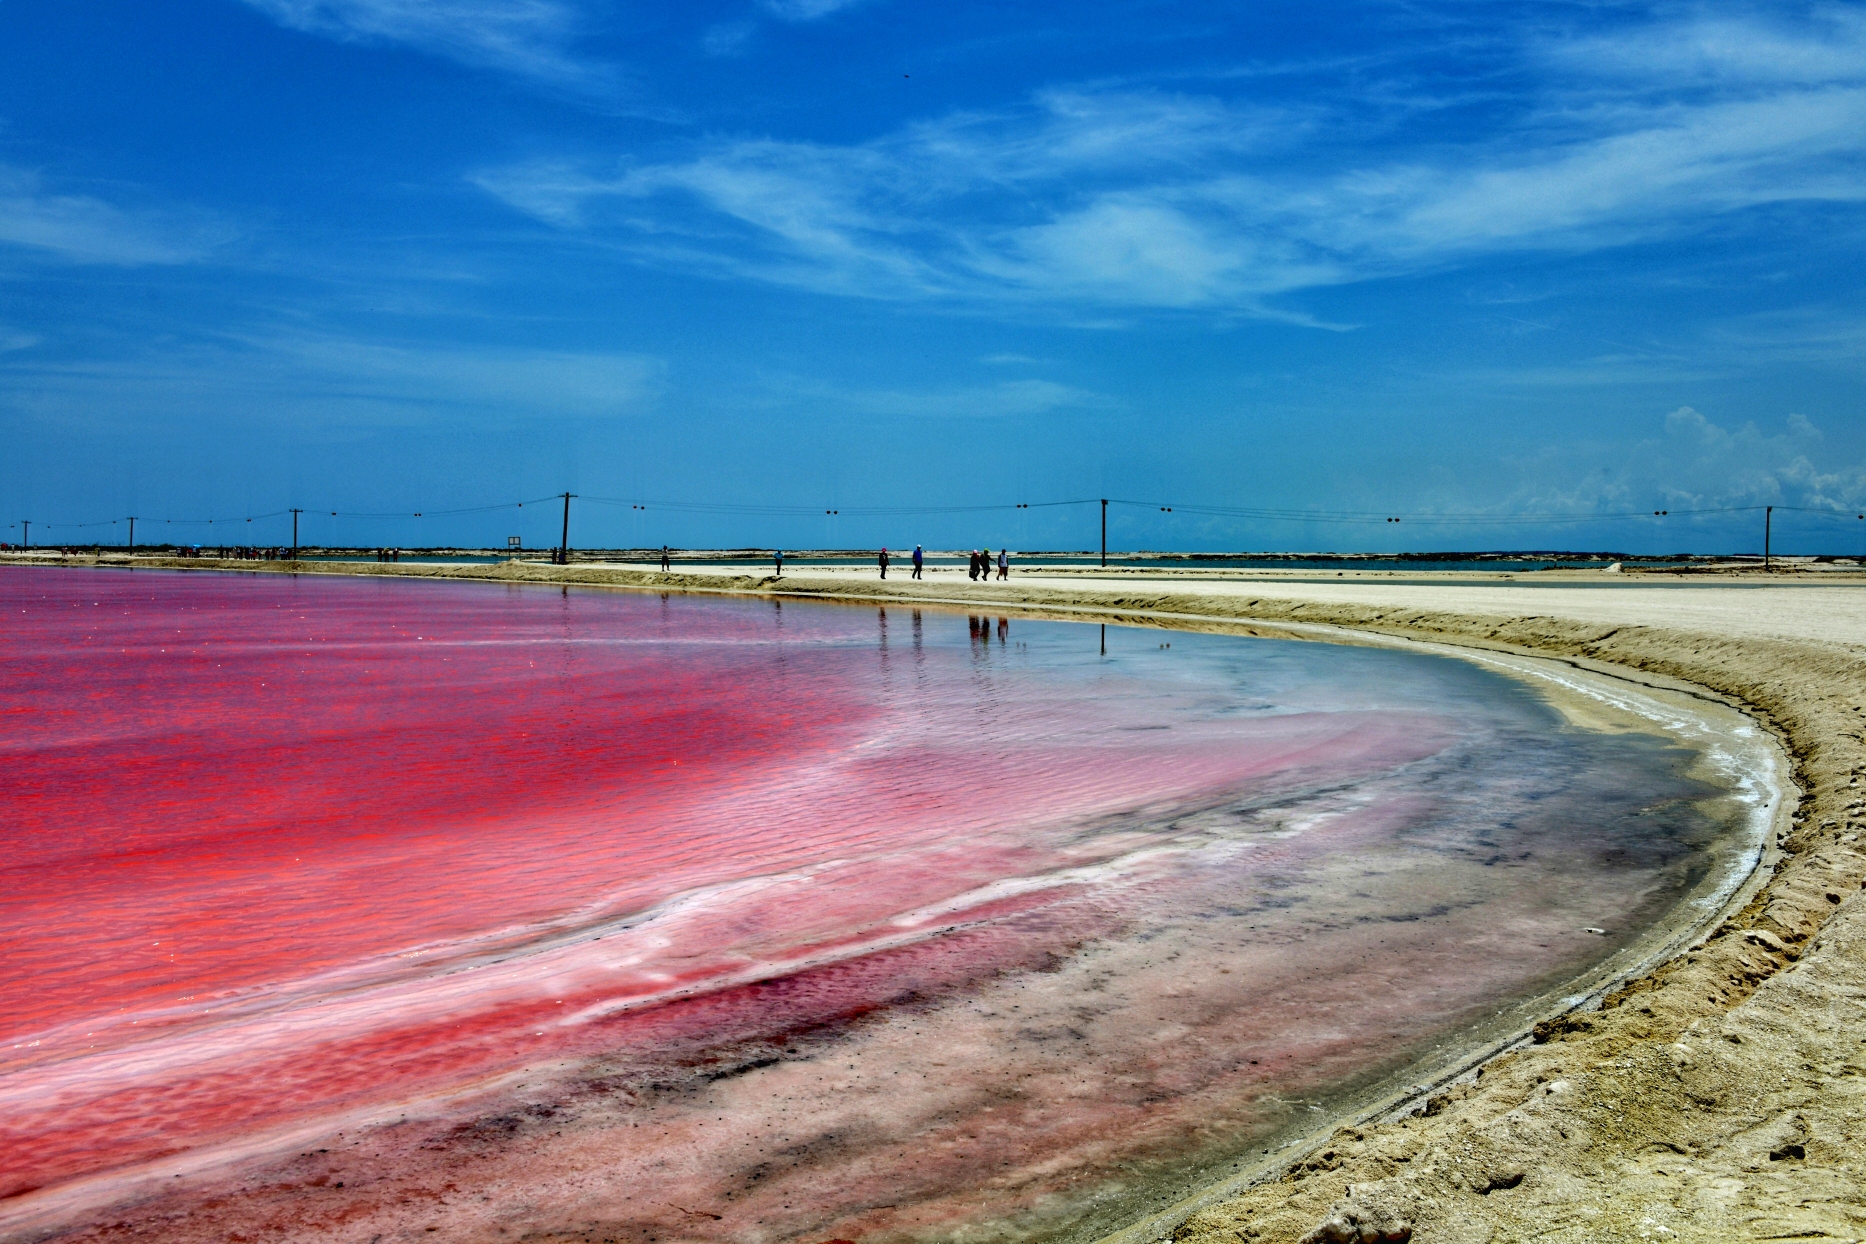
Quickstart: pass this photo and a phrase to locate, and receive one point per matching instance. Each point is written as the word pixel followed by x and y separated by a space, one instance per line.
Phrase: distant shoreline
pixel 1027 558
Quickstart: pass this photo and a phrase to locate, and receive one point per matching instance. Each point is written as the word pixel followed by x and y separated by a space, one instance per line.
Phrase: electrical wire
pixel 1260 514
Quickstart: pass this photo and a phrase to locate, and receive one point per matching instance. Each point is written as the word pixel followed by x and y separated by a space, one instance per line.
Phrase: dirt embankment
pixel 1720 1097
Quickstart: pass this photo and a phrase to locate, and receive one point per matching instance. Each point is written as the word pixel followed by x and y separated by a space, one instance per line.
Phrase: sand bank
pixel 1717 1096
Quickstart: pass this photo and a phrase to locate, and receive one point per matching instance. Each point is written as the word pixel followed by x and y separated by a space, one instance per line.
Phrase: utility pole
pixel 132 533
pixel 563 545
pixel 1104 533
pixel 1768 520
pixel 295 514
pixel 26 529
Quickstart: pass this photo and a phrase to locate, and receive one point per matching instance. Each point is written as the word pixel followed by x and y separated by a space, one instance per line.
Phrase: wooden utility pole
pixel 1104 533
pixel 295 514
pixel 563 545
pixel 132 533
pixel 1768 520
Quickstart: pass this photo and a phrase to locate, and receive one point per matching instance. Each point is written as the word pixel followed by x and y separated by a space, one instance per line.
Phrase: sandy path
pixel 1723 1096
pixel 1807 612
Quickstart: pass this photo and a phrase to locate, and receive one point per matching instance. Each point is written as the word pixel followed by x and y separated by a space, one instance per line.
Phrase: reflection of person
pixel 777 555
pixel 919 557
pixel 884 563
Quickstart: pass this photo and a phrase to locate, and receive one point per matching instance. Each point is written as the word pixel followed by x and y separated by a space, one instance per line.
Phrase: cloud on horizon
pixel 1706 464
pixel 1689 463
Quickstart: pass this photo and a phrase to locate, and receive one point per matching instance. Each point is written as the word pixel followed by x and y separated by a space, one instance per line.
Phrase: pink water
pixel 737 920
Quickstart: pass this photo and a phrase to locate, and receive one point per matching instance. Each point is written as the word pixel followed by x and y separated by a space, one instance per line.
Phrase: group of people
pixel 980 567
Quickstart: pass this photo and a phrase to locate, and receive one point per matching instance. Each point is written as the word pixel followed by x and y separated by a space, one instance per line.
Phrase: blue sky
pixel 1454 261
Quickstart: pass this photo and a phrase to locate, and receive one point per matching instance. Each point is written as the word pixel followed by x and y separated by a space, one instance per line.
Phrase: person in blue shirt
pixel 777 555
pixel 918 559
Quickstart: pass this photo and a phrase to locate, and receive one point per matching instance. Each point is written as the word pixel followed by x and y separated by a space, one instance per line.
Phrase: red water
pixel 278 849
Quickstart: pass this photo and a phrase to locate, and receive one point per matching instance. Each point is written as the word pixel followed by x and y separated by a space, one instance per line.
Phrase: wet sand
pixel 1714 1097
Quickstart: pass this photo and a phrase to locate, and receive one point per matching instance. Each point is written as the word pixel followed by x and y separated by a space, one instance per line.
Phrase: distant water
pixel 826 920
pixel 1508 563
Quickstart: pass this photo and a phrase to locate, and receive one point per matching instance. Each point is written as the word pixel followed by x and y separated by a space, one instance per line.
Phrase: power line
pixel 249 518
pixel 1266 514
pixel 804 511
pixel 1259 514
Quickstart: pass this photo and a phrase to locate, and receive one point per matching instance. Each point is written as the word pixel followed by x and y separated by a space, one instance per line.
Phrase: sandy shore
pixel 1718 1097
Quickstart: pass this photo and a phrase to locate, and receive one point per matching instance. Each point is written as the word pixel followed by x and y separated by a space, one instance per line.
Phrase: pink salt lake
pixel 341 909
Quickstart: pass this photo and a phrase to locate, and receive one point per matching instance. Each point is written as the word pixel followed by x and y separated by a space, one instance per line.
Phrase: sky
pixel 1517 274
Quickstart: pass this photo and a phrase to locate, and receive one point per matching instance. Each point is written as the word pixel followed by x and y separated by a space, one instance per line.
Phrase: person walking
pixel 777 555
pixel 919 558
pixel 1004 563
pixel 884 563
pixel 666 562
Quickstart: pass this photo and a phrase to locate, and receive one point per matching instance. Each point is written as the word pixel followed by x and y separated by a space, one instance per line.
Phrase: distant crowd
pixel 978 567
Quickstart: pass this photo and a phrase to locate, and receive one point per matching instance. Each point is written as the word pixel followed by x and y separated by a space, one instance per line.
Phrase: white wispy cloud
pixel 994 400
pixel 85 229
pixel 1713 48
pixel 331 381
pixel 805 10
pixel 951 208
pixel 532 38
pixel 728 38
pixel 541 381
pixel 1145 199
pixel 1821 335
